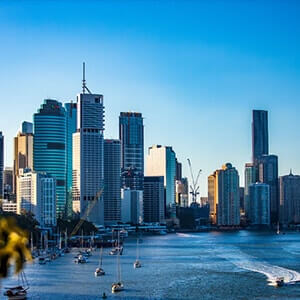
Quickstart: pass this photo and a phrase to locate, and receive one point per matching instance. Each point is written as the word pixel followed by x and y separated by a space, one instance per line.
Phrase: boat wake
pixel 251 263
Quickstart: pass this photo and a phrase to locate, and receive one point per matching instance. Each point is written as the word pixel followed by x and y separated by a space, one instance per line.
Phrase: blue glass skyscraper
pixel 131 135
pixel 49 147
pixel 71 122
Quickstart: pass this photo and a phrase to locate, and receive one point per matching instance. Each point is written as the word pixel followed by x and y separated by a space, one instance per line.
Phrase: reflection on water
pixel 179 266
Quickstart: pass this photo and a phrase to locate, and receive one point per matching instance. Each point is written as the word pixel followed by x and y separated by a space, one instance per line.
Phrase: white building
pixel 161 161
pixel 88 164
pixel 9 206
pixel 36 193
pixel 132 206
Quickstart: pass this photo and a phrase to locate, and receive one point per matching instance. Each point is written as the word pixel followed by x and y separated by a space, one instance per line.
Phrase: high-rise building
pixel 132 206
pixel 8 183
pixel 88 156
pixel 27 127
pixel 161 161
pixel 23 151
pixel 1 164
pixel 259 204
pixel 268 173
pixel 211 197
pixel 178 170
pixel 154 208
pixel 112 181
pixel 71 126
pixel 131 134
pixel 36 194
pixel 185 192
pixel 242 199
pixel 250 177
pixel 227 196
pixel 260 135
pixel 49 147
pixel 289 198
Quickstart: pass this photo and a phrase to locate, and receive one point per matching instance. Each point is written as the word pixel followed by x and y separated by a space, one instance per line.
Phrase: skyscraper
pixel 88 164
pixel 154 208
pixel 36 194
pixel 132 206
pixel 289 198
pixel 268 173
pixel 23 151
pixel 1 164
pixel 250 177
pixel 131 134
pixel 8 183
pixel 49 147
pixel 211 197
pixel 161 161
pixel 227 196
pixel 260 135
pixel 71 126
pixel 112 181
pixel 259 204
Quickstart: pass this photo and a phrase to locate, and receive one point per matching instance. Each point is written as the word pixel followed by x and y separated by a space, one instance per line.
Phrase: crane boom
pixel 194 186
pixel 87 212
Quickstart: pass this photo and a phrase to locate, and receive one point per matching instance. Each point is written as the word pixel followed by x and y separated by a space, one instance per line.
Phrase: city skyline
pixel 196 78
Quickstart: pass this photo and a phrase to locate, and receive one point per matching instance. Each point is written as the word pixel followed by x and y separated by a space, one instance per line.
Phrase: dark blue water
pixel 239 265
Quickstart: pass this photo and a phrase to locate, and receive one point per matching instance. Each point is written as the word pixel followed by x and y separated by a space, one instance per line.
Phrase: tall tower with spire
pixel 88 154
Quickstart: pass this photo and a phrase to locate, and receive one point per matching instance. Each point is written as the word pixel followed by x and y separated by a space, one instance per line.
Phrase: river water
pixel 214 265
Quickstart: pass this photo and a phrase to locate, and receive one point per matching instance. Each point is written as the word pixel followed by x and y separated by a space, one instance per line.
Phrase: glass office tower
pixel 49 147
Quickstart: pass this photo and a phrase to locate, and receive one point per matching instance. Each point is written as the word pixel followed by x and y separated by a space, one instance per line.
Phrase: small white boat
pixel 80 260
pixel 137 264
pixel 99 271
pixel 18 292
pixel 117 287
pixel 279 281
pixel 116 250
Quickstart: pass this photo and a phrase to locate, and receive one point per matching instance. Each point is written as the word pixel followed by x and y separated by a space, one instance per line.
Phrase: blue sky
pixel 195 69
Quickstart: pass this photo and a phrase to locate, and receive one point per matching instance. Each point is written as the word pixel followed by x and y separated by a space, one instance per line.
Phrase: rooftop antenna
pixel 84 87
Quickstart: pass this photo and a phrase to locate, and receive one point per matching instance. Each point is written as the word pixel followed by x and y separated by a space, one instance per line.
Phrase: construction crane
pixel 87 212
pixel 194 186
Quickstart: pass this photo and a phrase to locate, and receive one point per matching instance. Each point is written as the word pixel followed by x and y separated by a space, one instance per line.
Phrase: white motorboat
pixel 279 281
pixel 117 287
pixel 116 250
pixel 137 264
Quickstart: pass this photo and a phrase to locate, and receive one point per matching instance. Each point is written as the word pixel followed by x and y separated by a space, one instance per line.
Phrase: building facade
pixel 8 183
pixel 161 161
pixel 250 178
pixel 259 204
pixel 132 204
pixel 154 208
pixel 71 126
pixel 49 147
pixel 289 187
pixel 268 173
pixel 36 193
pixel 260 134
pixel 112 181
pixel 23 151
pixel 211 197
pixel 131 135
pixel 88 157
pixel 227 196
